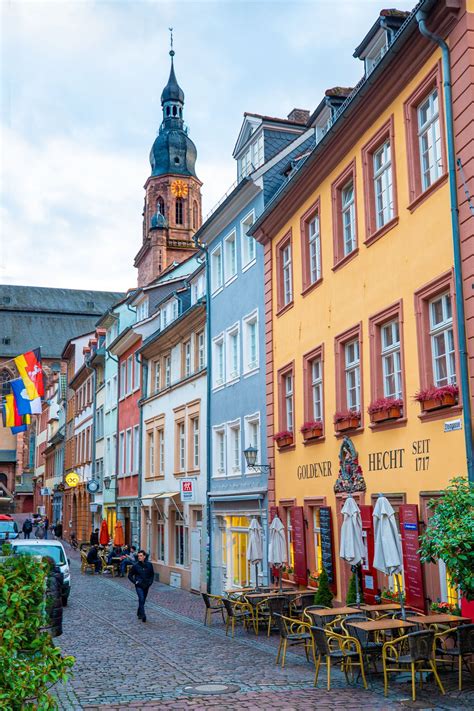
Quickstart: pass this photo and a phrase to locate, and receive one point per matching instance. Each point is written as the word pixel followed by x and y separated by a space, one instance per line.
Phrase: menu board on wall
pixel 369 573
pixel 409 531
pixel 299 544
pixel 327 546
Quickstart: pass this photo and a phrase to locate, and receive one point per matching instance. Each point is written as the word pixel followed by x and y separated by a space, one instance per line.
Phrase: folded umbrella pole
pixel 255 546
pixel 352 542
pixel 387 547
pixel 277 553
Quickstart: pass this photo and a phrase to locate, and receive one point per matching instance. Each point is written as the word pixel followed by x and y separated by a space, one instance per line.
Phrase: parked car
pixel 53 549
pixel 8 526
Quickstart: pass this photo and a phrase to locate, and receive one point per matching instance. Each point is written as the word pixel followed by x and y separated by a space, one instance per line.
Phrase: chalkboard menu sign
pixel 327 547
pixel 414 588
pixel 299 544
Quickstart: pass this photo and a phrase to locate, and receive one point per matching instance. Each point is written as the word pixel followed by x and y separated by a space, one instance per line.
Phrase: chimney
pixel 299 116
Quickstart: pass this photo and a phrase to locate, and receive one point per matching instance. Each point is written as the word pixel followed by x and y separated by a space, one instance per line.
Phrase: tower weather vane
pixel 171 42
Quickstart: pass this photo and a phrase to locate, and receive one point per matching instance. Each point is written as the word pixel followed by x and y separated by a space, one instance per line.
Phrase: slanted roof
pixel 392 17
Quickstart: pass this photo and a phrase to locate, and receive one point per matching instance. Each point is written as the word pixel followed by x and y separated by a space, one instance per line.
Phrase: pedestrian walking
pixel 58 529
pixel 27 528
pixel 142 575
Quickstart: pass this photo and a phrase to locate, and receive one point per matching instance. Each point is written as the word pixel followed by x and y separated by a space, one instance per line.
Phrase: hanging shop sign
pixel 72 479
pixel 93 486
pixel 409 531
pixel 188 490
pixel 45 491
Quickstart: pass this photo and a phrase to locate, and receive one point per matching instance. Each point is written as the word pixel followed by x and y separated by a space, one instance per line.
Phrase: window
pixel 122 452
pixel 99 426
pixel 219 451
pixel 129 374
pixel 425 135
pixel 160 540
pixel 179 211
pixel 218 369
pixel 114 390
pixel 257 152
pixel 129 452
pixel 234 448
pixel 247 241
pixel 151 452
pixel 318 551
pixel 182 446
pixel 230 256
pixel 123 379
pixel 108 395
pixel 187 358
pixel 216 269
pixel 142 310
pixel 161 451
pixel 286 398
pixel 180 541
pixel 442 341
pixel 344 215
pixel 284 272
pixel 233 353
pixel 99 470
pixel 201 352
pixel 160 206
pixel 195 444
pixel 348 357
pixel 252 433
pixel 376 53
pixel 391 360
pixel 311 246
pixel 136 374
pixel 429 137
pixel 108 455
pixel 380 195
pixel 136 448
pixel 167 371
pixel 244 165
pixel 195 215
pixel 156 376
pixel 383 185
pixel 352 371
pixel 250 342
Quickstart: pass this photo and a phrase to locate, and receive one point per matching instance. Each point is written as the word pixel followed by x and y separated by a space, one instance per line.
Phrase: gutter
pixel 205 251
pixel 421 16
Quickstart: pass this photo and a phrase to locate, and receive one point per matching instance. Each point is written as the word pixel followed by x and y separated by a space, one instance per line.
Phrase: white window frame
pixel 181 446
pixel 201 349
pixel 128 451
pixel 217 279
pixel 195 441
pixel 151 452
pixel 349 231
pixel 230 255
pixel 391 358
pixel 179 525
pixel 314 249
pixel 429 140
pixel 161 451
pixel 123 379
pixel 136 449
pixel 317 388
pixel 289 400
pixel 250 421
pixel 219 451
pixel 383 184
pixel 232 364
pixel 167 369
pixel 250 365
pixel 352 368
pixel 248 246
pixel 287 274
pixel 444 329
pixel 257 149
pixel 218 364
pixel 122 452
pixel 142 310
pixel 234 447
pixel 136 372
pixel 188 365
pixel 156 375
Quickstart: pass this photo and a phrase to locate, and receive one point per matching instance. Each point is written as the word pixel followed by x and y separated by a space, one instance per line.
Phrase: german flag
pixel 11 416
pixel 31 371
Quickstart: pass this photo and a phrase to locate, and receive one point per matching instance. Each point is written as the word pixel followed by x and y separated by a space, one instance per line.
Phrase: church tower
pixel 172 211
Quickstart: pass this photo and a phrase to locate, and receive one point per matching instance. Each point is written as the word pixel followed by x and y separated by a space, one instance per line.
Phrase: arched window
pixel 179 211
pixel 160 206
pixel 175 110
pixel 5 377
pixel 195 215
pixel 167 110
pixel 181 113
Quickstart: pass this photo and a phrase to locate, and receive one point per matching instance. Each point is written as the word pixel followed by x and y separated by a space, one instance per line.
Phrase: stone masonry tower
pixel 172 211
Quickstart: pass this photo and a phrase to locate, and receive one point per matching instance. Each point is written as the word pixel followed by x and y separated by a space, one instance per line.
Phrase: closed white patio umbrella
pixel 388 556
pixel 277 553
pixel 352 542
pixel 255 546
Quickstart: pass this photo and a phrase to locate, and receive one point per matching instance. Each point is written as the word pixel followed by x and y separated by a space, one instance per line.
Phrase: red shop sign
pixel 299 544
pixel 369 573
pixel 409 530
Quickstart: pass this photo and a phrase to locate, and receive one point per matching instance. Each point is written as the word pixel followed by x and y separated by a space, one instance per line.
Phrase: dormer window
pixel 323 123
pixel 142 310
pixel 252 159
pixel 376 51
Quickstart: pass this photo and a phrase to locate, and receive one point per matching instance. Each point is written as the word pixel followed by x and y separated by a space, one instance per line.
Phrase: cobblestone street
pixel 121 662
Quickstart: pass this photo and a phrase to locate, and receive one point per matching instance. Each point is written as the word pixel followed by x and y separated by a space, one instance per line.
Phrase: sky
pixel 80 85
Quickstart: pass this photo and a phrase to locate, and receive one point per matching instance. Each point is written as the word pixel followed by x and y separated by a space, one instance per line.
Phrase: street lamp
pixel 107 481
pixel 250 455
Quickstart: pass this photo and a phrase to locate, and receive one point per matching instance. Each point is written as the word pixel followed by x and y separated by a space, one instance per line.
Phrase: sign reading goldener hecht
pixel 314 471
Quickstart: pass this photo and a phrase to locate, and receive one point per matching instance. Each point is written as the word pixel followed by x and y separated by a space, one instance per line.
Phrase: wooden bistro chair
pixel 331 647
pixel 261 613
pixel 240 612
pixel 293 632
pixel 420 658
pixel 107 567
pixel 300 603
pixel 214 604
pixel 279 604
pixel 463 637
pixel 85 566
pixel 371 650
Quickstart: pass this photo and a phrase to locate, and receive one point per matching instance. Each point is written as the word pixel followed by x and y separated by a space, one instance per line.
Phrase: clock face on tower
pixel 179 188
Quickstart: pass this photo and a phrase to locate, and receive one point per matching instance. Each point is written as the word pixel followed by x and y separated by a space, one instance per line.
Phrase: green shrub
pixel 324 595
pixel 29 662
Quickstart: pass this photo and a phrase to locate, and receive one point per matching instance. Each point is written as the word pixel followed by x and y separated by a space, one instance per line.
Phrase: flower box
pixel 393 413
pixel 385 408
pixel 437 398
pixel 349 423
pixel 312 430
pixel 283 439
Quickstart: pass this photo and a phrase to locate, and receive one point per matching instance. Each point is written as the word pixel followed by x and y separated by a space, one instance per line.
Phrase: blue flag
pixel 19 428
pixel 24 405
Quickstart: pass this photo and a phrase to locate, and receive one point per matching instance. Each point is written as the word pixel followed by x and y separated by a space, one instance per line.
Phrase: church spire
pixel 172 97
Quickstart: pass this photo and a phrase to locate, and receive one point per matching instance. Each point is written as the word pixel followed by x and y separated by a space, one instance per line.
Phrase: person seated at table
pixel 112 552
pixel 94 539
pixel 130 558
pixel 94 559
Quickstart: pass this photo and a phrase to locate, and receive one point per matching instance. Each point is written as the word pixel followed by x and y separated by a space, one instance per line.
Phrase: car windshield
pixel 9 526
pixel 55 552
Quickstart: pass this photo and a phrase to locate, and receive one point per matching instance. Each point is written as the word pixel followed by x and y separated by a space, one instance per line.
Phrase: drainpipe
pixel 144 364
pixel 204 250
pixel 421 16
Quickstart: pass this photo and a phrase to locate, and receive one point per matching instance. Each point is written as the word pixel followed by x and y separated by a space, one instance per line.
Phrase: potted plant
pixel 313 579
pixel 311 430
pixel 324 594
pixel 283 438
pixel 288 572
pixel 392 596
pixel 433 398
pixel 346 420
pixel 385 408
pixel 445 608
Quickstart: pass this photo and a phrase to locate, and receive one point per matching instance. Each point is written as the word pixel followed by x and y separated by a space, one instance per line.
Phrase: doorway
pixel 195 559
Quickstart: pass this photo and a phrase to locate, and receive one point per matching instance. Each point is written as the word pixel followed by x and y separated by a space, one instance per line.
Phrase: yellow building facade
pixel 360 315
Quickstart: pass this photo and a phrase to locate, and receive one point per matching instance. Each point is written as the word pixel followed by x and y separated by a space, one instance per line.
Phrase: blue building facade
pixel 265 153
